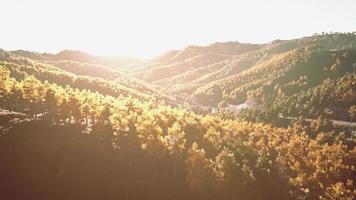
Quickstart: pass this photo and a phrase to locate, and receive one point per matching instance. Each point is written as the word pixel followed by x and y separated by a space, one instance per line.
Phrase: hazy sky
pixel 145 28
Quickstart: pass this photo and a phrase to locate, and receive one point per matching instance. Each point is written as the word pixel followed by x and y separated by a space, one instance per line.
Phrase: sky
pixel 147 28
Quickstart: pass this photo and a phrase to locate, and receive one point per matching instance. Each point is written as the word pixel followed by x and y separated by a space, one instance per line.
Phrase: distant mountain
pixel 85 68
pixel 30 54
pixel 174 63
pixel 73 56
pixel 78 75
pixel 232 71
pixel 119 63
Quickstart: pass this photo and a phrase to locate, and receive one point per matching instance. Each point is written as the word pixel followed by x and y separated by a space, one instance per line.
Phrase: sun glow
pixel 148 28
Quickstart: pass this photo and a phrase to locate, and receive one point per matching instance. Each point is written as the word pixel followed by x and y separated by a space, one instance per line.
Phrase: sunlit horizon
pixel 146 29
pixel 178 99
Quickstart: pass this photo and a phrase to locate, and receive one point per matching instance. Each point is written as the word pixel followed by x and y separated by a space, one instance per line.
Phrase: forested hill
pixel 77 144
pixel 332 99
pixel 282 75
pixel 226 121
pixel 81 76
pixel 222 71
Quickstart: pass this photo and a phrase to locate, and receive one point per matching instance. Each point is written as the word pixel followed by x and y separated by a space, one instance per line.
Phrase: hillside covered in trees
pixel 75 127
pixel 236 71
pixel 71 74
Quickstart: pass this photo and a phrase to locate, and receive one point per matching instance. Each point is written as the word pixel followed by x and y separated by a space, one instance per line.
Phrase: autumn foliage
pixel 86 145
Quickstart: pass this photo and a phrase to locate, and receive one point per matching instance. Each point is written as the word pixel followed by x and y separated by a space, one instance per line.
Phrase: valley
pixel 228 120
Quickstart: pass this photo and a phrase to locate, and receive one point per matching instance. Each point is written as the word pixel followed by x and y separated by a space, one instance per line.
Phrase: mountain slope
pixel 176 62
pixel 117 63
pixel 283 74
pixel 181 72
pixel 119 86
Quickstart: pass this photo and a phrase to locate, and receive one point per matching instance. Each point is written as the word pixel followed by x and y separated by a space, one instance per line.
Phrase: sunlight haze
pixel 148 28
pixel 177 100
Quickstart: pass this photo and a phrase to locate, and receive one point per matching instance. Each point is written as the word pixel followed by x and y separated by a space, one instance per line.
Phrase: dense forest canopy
pixel 75 127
